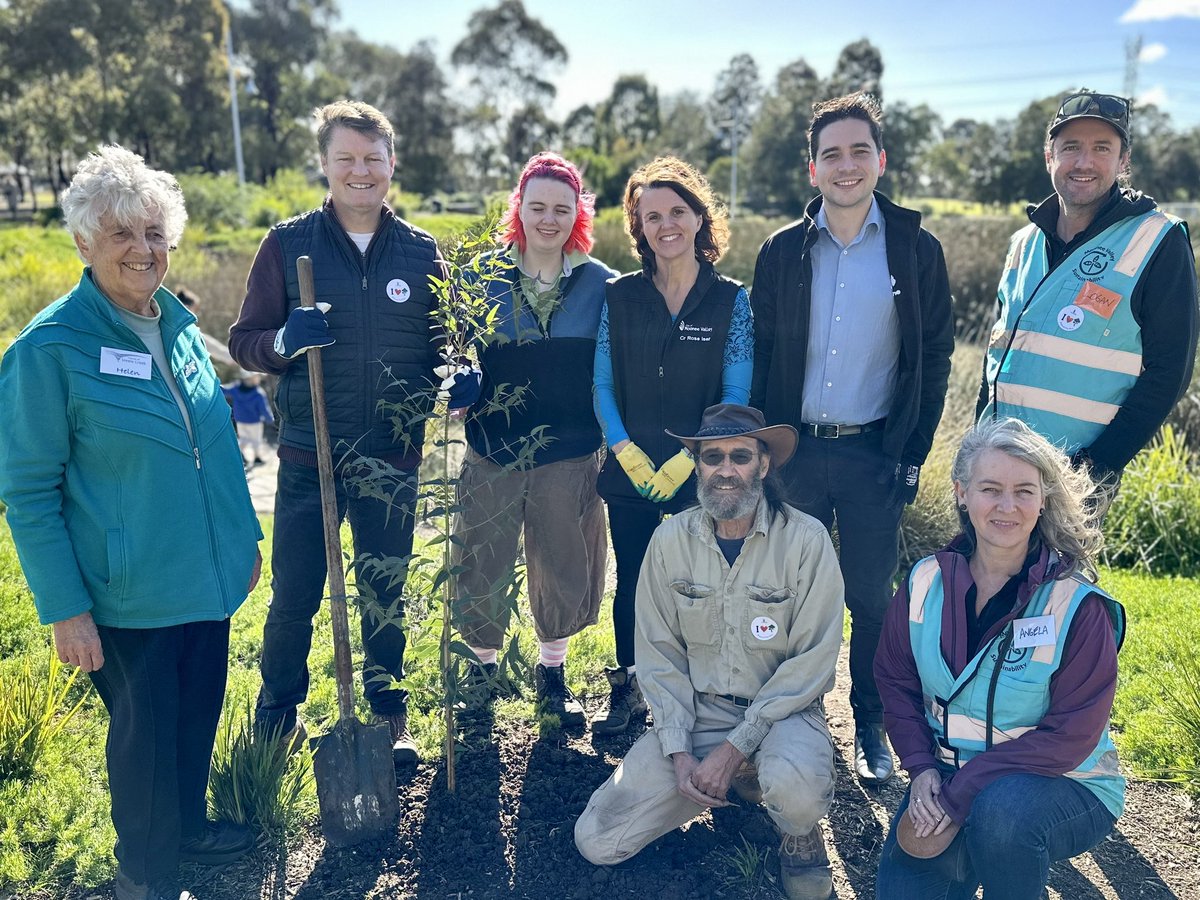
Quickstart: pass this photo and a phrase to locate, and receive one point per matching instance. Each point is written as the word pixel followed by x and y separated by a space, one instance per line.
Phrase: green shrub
pixel 287 194
pixel 33 714
pixel 37 266
pixel 1154 523
pixel 975 248
pixel 252 782
pixel 217 201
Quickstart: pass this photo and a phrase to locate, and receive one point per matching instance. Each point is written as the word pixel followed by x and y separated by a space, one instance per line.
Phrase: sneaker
pixel 125 888
pixel 555 698
pixel 222 842
pixel 872 755
pixel 404 748
pixel 804 865
pixel 625 702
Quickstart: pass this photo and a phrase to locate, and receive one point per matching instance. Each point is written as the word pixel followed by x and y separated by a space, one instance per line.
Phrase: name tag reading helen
pixel 1036 631
pixel 129 363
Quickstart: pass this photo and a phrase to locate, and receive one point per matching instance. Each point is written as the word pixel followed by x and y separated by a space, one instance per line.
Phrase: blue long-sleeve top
pixel 736 369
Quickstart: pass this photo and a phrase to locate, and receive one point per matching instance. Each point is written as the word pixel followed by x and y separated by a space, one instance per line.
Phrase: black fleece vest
pixel 384 350
pixel 665 373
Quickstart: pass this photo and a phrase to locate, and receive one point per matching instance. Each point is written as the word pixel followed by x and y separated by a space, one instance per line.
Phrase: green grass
pixel 1163 616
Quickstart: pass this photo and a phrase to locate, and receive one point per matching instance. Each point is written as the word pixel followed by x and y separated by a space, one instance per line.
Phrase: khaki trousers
pixel 565 547
pixel 640 801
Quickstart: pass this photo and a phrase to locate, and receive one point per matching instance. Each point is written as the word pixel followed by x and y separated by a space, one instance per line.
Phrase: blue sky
pixel 965 59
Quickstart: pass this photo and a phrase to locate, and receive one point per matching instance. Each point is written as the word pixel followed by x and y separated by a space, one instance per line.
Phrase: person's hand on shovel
pixel 306 328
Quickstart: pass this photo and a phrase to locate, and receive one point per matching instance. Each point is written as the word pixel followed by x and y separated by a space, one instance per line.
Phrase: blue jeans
pixel 1017 826
pixel 381 531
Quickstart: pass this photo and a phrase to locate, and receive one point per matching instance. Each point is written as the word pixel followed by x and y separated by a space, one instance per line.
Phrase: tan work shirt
pixel 766 629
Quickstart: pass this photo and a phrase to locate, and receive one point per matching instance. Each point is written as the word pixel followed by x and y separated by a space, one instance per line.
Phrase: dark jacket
pixel 1164 306
pixel 553 367
pixel 384 350
pixel 782 300
pixel 665 373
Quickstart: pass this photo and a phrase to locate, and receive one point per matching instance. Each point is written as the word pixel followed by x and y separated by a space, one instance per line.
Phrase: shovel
pixel 356 779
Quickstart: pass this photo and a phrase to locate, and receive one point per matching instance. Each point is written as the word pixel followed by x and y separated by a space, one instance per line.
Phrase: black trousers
pixel 382 530
pixel 844 480
pixel 163 689
pixel 631 524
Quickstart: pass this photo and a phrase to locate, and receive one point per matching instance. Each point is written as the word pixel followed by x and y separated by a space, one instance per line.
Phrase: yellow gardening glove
pixel 637 466
pixel 670 478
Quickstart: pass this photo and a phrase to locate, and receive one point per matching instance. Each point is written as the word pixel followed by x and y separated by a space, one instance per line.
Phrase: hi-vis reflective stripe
pixel 1141 242
pixel 1056 402
pixel 922 578
pixel 1057 605
pixel 966 728
pixel 1017 250
pixel 1126 362
pixel 1106 765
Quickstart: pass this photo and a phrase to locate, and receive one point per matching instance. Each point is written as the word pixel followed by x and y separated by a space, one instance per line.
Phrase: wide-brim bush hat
pixel 725 420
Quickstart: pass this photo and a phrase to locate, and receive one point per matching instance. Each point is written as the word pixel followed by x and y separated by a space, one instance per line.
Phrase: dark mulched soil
pixel 507 833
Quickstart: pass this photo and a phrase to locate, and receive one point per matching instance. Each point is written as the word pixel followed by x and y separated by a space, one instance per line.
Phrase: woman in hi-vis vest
pixel 997 668
pixel 675 338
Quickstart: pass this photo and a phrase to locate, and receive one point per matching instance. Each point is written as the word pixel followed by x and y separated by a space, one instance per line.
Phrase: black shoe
pixel 555 698
pixel 125 888
pixel 625 702
pixel 221 843
pixel 872 755
pixel 404 748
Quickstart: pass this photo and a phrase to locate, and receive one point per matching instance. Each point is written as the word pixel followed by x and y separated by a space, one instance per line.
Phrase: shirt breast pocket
pixel 698 614
pixel 768 612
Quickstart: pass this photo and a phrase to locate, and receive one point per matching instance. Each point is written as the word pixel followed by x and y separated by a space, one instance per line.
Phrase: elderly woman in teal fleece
pixel 129 511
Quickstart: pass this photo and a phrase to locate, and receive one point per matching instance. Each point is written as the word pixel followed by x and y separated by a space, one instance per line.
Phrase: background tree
pixel 909 133
pixel 859 67
pixel 777 150
pixel 509 54
pixel 732 110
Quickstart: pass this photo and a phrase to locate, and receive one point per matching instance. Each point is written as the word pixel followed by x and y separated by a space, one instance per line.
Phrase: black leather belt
pixel 736 701
pixel 837 431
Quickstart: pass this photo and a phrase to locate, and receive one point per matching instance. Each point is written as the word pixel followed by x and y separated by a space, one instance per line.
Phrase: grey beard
pixel 726 505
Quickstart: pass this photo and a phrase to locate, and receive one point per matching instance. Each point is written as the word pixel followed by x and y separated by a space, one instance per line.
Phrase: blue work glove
pixel 905 482
pixel 304 329
pixel 459 386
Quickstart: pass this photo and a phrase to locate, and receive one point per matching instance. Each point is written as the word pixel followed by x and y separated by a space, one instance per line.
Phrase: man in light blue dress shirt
pixel 853 337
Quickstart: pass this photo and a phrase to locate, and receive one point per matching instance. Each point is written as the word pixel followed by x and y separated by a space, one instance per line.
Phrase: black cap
pixel 1085 104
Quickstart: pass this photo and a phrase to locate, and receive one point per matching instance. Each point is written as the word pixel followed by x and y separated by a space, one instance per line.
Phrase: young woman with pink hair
pixel 531 466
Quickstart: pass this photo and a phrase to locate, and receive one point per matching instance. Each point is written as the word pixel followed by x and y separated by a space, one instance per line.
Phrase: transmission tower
pixel 1133 53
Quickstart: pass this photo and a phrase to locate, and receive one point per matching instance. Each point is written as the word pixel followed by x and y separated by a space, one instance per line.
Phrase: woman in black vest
pixel 675 338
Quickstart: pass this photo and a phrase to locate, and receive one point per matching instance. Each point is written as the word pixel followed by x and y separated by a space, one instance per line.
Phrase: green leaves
pixel 33 714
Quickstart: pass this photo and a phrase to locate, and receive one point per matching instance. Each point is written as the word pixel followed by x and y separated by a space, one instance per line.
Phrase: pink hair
pixel 551 165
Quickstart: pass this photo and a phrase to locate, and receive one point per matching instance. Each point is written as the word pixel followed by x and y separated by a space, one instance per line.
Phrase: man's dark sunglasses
pixel 1085 103
pixel 714 458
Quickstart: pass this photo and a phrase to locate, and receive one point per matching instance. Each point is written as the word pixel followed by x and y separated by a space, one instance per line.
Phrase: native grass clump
pixel 252 782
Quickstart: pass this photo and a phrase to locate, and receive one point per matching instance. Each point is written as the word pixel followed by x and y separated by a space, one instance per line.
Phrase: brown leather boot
pixel 404 748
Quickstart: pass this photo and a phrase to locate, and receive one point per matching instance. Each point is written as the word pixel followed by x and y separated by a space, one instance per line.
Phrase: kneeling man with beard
pixel 739 620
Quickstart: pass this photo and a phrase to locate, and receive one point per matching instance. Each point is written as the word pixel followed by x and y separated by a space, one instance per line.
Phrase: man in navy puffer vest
pixel 372 269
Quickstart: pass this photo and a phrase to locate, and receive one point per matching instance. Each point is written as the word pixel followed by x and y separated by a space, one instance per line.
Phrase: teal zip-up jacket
pixel 114 508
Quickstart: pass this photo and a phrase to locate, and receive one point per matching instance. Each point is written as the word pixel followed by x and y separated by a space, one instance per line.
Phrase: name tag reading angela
pixel 1036 631
pixel 128 363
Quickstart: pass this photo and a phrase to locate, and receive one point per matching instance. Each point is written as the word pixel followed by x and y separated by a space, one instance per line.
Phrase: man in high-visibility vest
pixel 1096 333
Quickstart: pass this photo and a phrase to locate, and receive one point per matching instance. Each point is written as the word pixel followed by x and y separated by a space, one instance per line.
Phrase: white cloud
pixel 1157 10
pixel 1156 96
pixel 1152 53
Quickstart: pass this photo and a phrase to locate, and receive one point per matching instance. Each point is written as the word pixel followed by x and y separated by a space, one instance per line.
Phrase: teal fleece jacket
pixel 113 508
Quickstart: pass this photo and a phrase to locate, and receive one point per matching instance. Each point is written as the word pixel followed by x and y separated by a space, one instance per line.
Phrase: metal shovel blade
pixel 356 782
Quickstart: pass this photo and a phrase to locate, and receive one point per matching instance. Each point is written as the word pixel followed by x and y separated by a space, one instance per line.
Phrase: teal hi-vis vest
pixel 992 702
pixel 1066 349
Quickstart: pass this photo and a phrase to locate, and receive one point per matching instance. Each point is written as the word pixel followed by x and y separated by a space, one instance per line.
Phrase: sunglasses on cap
pixel 1089 104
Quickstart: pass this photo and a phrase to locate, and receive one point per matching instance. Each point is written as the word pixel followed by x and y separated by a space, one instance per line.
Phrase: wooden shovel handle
pixel 329 514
